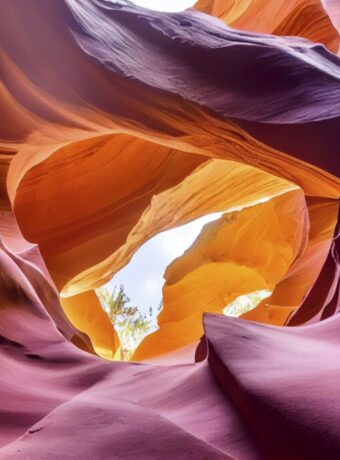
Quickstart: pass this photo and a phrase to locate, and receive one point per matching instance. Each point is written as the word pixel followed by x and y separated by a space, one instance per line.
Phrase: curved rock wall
pixel 117 123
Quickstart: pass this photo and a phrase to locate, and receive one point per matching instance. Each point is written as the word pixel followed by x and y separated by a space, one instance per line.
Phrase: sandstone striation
pixel 117 123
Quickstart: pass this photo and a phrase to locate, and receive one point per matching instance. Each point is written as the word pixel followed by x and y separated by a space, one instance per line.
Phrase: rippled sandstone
pixel 117 123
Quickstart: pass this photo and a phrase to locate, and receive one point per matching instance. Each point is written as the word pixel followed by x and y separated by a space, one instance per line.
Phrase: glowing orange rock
pixel 241 252
pixel 117 123
pixel 302 18
pixel 289 293
pixel 90 170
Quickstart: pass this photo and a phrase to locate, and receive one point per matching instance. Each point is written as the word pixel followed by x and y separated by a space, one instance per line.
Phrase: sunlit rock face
pixel 117 123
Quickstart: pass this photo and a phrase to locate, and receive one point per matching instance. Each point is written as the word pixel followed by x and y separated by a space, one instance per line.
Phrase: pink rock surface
pixel 73 71
pixel 262 392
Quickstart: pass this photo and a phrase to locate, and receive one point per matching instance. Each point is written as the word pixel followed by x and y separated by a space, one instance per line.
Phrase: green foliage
pixel 130 324
pixel 245 303
pixel 115 303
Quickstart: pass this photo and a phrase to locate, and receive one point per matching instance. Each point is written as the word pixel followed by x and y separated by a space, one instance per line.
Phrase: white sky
pixel 143 276
pixel 165 5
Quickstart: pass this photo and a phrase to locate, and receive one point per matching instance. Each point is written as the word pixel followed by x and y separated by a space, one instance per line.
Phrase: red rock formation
pixel 117 123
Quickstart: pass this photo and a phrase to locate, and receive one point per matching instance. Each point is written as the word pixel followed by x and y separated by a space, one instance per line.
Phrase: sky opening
pixel 166 5
pixel 142 277
pixel 142 281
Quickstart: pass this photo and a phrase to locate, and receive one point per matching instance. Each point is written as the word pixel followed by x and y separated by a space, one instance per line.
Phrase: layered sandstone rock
pixel 117 123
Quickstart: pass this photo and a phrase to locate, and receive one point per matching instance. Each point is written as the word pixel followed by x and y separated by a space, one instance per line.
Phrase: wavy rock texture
pixel 301 18
pixel 117 123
